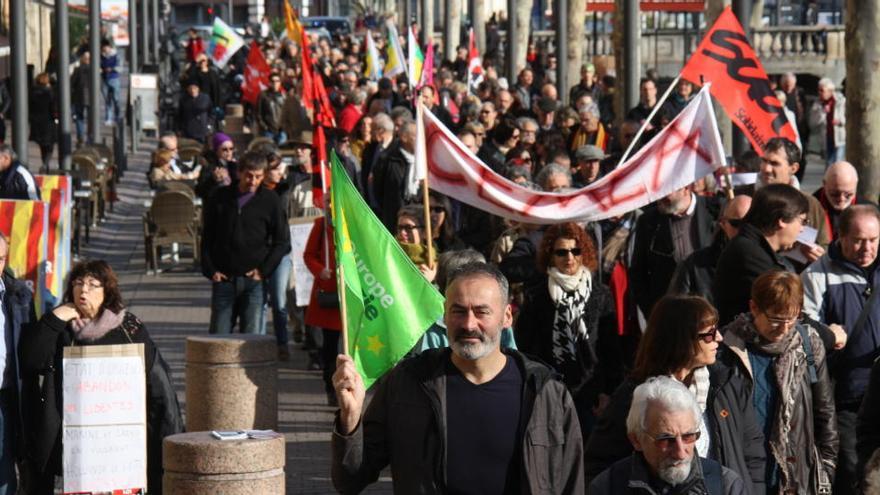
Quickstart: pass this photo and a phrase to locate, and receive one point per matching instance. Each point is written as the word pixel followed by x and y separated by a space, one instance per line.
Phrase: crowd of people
pixel 700 344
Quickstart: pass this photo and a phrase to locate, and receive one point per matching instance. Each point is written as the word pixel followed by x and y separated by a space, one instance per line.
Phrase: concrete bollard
pixel 199 464
pixel 231 383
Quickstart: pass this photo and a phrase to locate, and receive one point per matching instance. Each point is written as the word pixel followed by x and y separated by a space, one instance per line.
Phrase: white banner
pixel 684 151
pixel 302 278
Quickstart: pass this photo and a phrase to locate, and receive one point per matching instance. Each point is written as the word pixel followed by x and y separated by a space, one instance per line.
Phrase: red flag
pixel 308 86
pixel 427 78
pixel 739 82
pixel 475 65
pixel 320 174
pixel 256 75
pixel 323 110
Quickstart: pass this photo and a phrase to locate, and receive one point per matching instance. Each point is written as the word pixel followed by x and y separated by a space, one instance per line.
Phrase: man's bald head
pixel 735 210
pixel 839 185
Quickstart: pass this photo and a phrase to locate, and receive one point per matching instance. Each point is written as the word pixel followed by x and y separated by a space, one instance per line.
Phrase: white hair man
pixel 838 192
pixel 663 426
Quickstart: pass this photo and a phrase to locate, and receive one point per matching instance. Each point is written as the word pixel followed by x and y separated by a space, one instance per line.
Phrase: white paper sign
pixel 104 418
pixel 302 277
pixel 807 237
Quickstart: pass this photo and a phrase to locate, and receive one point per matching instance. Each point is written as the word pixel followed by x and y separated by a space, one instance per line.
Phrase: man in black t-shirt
pixel 466 419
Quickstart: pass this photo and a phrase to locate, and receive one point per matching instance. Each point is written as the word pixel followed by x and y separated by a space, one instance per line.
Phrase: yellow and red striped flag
pixel 58 190
pixel 26 224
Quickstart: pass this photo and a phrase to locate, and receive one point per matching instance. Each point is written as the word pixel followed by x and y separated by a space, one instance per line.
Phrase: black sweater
pixel 235 241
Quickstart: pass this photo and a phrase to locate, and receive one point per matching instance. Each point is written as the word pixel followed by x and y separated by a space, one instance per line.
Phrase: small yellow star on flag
pixel 374 344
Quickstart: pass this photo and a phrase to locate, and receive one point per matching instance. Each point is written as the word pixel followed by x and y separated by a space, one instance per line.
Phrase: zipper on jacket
pixel 435 406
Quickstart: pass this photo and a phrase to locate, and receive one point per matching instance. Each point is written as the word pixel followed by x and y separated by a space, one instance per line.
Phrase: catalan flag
pixel 58 190
pixel 26 224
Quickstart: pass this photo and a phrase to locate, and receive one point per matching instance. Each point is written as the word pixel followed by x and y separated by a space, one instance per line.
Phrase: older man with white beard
pixel 663 427
pixel 467 419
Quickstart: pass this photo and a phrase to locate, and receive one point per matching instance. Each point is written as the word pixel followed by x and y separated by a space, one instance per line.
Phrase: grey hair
pixel 481 269
pixel 408 127
pixel 522 121
pixel 358 96
pixel 661 392
pixel 826 82
pixel 552 169
pixel 451 261
pixel 399 111
pixel 591 108
pixel 6 149
pixel 383 121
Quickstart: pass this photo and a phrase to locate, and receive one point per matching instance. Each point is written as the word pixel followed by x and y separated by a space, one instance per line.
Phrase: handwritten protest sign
pixel 302 277
pixel 104 419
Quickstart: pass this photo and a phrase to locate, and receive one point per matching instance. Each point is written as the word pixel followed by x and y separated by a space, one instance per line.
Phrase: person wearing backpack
pixel 839 288
pixel 790 387
pixel 663 425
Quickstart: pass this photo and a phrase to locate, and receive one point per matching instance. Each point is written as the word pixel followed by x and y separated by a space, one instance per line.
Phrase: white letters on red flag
pixel 687 149
pixel 475 65
pixel 256 75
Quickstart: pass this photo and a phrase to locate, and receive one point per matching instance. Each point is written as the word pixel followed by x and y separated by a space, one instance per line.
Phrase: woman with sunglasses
pixel 771 345
pixel 222 168
pixel 568 320
pixel 682 340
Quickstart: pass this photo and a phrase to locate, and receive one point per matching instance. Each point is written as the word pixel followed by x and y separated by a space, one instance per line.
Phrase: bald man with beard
pixel 694 275
pixel 838 192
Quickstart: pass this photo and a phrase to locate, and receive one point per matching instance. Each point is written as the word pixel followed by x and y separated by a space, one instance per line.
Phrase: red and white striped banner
pixel 687 149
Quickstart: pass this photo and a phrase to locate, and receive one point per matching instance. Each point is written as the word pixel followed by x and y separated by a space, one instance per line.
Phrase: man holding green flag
pixel 388 304
pixel 467 419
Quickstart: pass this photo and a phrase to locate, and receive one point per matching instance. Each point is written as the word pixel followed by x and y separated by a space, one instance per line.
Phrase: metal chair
pixel 88 171
pixel 171 219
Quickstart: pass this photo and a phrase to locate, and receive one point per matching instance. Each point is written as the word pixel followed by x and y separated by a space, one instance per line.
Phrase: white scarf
pixel 411 184
pixel 559 283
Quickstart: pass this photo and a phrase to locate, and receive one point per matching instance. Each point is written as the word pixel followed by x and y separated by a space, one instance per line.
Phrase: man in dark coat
pixel 678 225
pixel 16 181
pixel 695 274
pixel 80 84
pixel 244 238
pixel 516 433
pixel 194 113
pixel 390 176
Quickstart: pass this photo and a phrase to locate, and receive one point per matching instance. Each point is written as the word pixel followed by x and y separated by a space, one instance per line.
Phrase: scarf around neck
pixel 89 330
pixel 569 294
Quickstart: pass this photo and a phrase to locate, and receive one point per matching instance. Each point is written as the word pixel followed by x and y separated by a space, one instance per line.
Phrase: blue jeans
pixel 79 121
pixel 279 137
pixel 834 154
pixel 242 293
pixel 110 91
pixel 8 482
pixel 275 290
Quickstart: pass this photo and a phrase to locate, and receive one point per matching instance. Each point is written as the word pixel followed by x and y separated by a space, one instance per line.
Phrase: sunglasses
pixel 665 441
pixel 563 253
pixel 227 148
pixel 708 337
pixel 408 228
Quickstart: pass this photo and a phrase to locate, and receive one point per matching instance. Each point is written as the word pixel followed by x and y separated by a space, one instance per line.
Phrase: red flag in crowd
pixel 323 109
pixel 726 59
pixel 475 65
pixel 320 173
pixel 256 75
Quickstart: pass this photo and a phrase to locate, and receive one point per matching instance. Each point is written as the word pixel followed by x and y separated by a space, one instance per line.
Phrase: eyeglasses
pixel 664 441
pixel 708 337
pixel 563 253
pixel 227 148
pixel 408 228
pixel 777 322
pixel 840 194
pixel 81 284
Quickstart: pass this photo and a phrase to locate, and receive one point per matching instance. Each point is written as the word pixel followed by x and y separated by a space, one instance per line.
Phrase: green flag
pixel 389 304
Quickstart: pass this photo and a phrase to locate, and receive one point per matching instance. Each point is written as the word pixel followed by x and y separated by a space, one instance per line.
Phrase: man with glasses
pixel 269 107
pixel 840 289
pixel 838 191
pixel 790 386
pixel 488 116
pixel 663 427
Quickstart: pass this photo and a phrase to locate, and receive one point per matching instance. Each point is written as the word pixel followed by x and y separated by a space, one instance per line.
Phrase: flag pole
pixel 654 111
pixel 340 290
pixel 421 150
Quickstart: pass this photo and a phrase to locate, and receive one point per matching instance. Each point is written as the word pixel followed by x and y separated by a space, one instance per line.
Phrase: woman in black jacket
pixel 42 117
pixel 92 314
pixel 567 319
pixel 682 340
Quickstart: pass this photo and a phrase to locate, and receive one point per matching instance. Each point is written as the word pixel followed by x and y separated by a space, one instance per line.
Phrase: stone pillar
pixel 231 382
pixel 863 93
pixel 452 29
pixel 199 464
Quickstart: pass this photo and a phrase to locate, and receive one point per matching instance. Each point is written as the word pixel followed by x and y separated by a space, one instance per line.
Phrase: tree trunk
pixel 523 28
pixel 452 36
pixel 479 19
pixel 577 14
pixel 863 93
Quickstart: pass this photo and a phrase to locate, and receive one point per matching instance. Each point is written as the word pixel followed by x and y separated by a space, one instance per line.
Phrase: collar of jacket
pixel 640 477
pixel 431 374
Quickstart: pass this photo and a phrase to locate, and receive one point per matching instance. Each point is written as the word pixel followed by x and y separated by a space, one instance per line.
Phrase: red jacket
pixel 326 318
